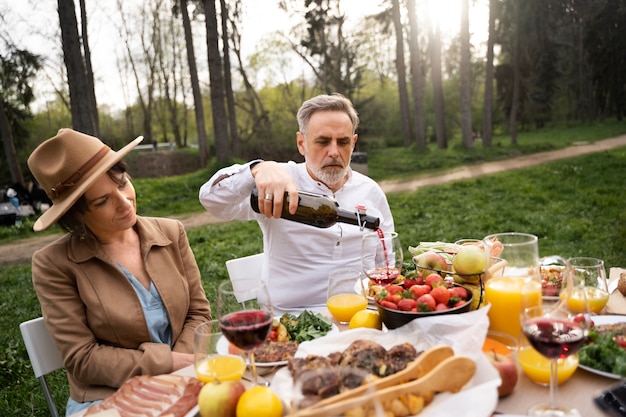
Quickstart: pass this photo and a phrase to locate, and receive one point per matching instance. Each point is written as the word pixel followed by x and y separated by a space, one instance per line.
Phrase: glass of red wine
pixel 245 315
pixel 556 333
pixel 382 257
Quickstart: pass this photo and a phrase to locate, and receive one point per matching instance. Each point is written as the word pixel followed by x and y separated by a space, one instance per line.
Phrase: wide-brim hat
pixel 66 165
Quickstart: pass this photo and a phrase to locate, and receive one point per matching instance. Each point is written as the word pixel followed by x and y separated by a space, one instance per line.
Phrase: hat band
pixel 71 181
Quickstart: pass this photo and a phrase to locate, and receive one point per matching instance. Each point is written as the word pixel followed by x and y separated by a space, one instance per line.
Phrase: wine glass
pixel 245 315
pixel 556 333
pixel 382 257
pixel 589 277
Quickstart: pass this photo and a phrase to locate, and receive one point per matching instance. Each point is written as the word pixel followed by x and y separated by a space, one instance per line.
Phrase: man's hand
pixel 273 181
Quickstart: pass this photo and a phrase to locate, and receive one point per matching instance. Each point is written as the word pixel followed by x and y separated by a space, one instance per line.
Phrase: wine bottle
pixel 320 211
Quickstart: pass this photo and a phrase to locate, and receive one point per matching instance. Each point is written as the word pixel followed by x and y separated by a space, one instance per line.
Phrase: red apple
pixel 219 399
pixel 428 262
pixel 508 372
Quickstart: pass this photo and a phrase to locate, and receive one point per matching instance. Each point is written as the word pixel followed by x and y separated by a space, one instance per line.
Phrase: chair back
pixel 244 268
pixel 43 354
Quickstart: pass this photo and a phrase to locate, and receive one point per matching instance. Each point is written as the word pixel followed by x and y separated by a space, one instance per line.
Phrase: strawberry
pixel 434 280
pixel 441 295
pixel 418 290
pixel 389 305
pixel 407 304
pixel 426 303
pixel 441 307
pixel 394 288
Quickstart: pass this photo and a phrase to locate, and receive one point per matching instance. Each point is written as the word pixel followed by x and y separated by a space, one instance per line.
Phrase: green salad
pixel 306 326
pixel 604 353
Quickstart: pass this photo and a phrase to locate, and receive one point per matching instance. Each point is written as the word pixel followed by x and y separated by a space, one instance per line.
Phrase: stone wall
pixel 151 164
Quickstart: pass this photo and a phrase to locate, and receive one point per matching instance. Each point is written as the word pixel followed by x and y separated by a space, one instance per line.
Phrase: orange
pixel 259 401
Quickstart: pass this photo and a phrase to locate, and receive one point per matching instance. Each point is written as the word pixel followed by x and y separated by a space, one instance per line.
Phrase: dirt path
pixel 22 250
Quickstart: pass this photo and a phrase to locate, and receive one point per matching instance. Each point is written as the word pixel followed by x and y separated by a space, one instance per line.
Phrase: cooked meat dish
pixel 327 380
pixel 274 351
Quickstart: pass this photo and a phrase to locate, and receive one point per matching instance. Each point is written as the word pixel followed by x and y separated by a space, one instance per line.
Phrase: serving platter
pixel 598 321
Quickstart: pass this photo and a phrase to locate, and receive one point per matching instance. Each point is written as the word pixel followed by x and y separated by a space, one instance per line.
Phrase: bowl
pixel 397 318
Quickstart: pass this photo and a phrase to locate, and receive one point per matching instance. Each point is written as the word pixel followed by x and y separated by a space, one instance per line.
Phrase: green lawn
pixel 575 206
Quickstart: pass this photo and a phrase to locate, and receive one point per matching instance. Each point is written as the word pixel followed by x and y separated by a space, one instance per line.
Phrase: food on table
pixel 621 283
pixel 434 295
pixel 160 395
pixel 605 349
pixel 551 280
pixel 259 401
pixel 366 318
pixel 286 334
pixel 220 399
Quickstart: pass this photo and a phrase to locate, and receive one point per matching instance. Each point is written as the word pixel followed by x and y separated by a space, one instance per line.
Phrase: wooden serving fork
pixel 449 375
pixel 419 367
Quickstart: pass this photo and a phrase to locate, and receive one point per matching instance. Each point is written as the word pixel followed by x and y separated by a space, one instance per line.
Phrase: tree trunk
pixel 216 81
pixel 9 147
pixel 417 77
pixel 91 90
pixel 466 89
pixel 401 70
pixel 487 130
pixel 75 65
pixel 203 143
pixel 516 76
pixel 228 84
pixel 435 59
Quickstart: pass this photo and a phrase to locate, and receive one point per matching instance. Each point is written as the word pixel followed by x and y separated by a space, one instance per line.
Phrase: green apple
pixel 469 260
pixel 219 399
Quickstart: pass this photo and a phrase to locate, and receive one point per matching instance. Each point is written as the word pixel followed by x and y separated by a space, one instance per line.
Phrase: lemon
pixel 366 318
pixel 259 401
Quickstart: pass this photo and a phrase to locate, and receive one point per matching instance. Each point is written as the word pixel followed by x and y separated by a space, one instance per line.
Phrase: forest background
pixel 186 80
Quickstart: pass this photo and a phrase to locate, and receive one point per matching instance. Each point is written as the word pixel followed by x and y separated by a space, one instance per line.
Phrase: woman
pixel 121 294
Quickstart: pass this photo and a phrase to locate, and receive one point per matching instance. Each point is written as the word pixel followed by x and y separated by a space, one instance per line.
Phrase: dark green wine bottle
pixel 320 211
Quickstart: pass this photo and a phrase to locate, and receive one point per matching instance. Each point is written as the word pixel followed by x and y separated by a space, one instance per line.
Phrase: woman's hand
pixel 181 360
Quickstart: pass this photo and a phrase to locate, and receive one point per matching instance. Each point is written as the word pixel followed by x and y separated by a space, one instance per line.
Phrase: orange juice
pixel 221 368
pixel 344 306
pixel 596 297
pixel 507 296
pixel 537 367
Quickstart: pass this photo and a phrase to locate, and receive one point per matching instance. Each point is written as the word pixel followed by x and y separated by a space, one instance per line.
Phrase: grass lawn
pixel 575 207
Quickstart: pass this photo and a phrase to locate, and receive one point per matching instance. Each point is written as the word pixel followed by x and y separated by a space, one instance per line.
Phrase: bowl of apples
pixel 398 305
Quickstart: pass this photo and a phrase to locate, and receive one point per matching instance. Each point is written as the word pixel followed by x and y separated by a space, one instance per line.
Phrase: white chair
pixel 244 268
pixel 43 354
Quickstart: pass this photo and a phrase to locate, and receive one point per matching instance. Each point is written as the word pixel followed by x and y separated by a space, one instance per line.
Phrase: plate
pixel 600 320
pixel 222 348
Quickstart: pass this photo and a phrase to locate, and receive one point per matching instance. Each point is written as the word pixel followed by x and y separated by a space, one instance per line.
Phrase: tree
pixel 434 36
pixel 17 70
pixel 401 70
pixel 417 77
pixel 216 80
pixel 466 89
pixel 82 107
pixel 488 97
pixel 228 84
pixel 195 84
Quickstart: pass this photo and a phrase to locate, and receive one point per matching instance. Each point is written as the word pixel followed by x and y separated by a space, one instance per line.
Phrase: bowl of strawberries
pixel 398 305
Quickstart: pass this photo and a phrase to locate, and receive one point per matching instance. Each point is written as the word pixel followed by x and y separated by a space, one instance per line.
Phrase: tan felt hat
pixel 66 165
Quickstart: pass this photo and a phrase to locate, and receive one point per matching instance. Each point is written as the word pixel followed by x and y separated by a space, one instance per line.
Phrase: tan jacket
pixel 95 317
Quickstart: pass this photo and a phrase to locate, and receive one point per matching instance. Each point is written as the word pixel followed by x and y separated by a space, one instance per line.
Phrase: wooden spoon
pixel 450 375
pixel 421 366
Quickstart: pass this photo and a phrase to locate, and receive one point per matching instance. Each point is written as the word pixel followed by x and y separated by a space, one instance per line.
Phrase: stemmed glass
pixel 245 315
pixel 590 285
pixel 556 333
pixel 382 257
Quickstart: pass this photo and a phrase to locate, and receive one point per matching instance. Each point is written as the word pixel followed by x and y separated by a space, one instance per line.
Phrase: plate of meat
pixel 288 331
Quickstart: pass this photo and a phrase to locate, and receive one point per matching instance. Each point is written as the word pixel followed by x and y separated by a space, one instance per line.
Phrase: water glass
pixel 345 295
pixel 210 364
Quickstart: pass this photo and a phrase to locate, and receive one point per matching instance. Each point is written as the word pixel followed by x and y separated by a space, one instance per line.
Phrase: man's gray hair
pixel 325 102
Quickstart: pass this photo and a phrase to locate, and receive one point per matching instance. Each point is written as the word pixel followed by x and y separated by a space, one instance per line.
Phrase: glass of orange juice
pixel 209 364
pixel 537 367
pixel 518 285
pixel 590 285
pixel 343 298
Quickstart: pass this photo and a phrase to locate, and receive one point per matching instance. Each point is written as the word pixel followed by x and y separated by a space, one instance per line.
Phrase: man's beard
pixel 330 175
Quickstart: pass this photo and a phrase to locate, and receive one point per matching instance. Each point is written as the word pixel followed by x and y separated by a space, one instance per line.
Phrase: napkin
pixel 617 302
pixel 465 333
